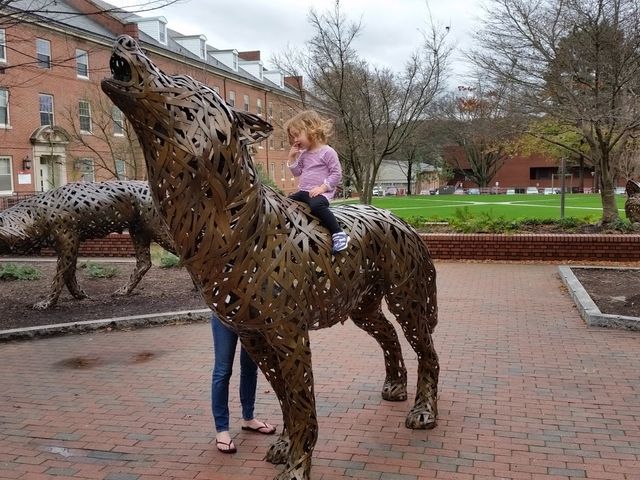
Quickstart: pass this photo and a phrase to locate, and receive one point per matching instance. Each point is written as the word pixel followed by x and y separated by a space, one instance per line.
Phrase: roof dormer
pixel 253 68
pixel 155 27
pixel 196 44
pixel 226 57
pixel 275 76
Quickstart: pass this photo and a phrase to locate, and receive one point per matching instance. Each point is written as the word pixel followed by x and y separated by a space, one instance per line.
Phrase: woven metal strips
pixel 262 262
pixel 64 217
pixel 632 203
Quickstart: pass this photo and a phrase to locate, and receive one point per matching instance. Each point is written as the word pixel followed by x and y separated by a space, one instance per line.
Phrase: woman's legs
pixel 248 382
pixel 224 347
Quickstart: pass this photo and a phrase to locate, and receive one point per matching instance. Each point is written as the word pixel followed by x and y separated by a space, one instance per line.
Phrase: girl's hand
pixel 294 152
pixel 319 190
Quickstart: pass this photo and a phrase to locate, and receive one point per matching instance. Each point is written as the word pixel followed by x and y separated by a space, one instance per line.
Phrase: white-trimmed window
pixel 118 125
pixel 84 112
pixel 232 98
pixel 272 171
pixel 87 170
pixel 245 103
pixel 270 110
pixel 216 89
pixel 162 33
pixel 82 63
pixel 3 46
pixel 283 173
pixel 121 169
pixel 46 109
pixel 259 106
pixel 4 108
pixel 43 53
pixel 6 178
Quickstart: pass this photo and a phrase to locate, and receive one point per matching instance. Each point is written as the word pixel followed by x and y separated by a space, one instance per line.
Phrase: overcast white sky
pixel 391 29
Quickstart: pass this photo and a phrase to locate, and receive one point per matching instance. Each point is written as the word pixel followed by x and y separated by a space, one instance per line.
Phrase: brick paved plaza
pixel 527 391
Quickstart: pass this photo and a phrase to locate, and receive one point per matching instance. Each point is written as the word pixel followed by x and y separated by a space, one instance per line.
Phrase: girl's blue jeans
pixel 224 349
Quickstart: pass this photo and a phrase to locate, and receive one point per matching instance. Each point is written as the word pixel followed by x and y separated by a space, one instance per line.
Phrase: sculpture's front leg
pixel 285 360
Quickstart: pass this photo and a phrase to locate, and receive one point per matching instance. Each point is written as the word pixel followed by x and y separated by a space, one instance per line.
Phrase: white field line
pixel 514 204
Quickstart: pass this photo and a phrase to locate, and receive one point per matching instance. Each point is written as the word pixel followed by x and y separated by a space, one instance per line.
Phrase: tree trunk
pixel 607 193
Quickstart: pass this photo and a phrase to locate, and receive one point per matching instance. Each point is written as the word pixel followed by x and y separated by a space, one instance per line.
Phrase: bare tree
pixel 109 138
pixel 376 109
pixel 480 125
pixel 574 61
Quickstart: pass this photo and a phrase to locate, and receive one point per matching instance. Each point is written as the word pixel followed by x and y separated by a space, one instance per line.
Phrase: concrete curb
pixel 589 311
pixel 116 323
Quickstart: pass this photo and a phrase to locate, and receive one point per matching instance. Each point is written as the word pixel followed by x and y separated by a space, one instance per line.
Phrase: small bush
pixel 97 270
pixel 169 260
pixel 11 271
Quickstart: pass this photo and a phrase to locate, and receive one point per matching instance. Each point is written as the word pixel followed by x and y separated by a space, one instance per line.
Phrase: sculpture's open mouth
pixel 120 68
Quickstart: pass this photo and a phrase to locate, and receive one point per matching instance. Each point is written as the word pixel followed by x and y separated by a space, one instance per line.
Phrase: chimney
pixel 251 56
pixel 294 82
pixel 131 29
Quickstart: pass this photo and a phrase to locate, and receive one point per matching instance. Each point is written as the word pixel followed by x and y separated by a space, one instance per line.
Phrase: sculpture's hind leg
pixel 369 317
pixel 142 248
pixel 416 315
pixel 288 369
pixel 67 246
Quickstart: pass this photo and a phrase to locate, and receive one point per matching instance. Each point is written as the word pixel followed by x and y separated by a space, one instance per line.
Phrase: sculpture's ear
pixel 252 128
pixel 633 188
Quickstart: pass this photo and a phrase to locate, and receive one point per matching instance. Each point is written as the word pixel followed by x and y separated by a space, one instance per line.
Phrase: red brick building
pixel 57 126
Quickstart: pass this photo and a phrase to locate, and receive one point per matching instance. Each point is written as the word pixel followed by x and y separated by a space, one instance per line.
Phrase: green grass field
pixel 511 207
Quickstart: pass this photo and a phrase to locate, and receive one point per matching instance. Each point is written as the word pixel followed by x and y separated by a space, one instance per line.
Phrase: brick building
pixel 56 125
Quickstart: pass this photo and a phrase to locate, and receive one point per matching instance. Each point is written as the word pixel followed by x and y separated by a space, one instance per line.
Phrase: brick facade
pixel 24 137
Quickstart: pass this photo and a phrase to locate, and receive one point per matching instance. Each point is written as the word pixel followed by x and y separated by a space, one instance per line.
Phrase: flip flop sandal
pixel 264 429
pixel 231 447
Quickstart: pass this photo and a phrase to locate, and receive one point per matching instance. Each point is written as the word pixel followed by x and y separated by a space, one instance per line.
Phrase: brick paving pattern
pixel 527 391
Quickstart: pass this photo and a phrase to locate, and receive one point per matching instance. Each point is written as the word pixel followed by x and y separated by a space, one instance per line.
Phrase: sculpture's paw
pixel 394 391
pixel 297 474
pixel 278 451
pixel 43 305
pixel 124 290
pixel 422 417
pixel 80 295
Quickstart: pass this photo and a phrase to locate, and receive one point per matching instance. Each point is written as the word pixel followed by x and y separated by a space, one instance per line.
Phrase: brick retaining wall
pixel 457 246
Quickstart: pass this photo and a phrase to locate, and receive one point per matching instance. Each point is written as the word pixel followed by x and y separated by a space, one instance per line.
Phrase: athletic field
pixel 512 207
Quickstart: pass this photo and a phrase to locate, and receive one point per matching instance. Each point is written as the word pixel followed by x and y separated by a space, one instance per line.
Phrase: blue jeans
pixel 224 349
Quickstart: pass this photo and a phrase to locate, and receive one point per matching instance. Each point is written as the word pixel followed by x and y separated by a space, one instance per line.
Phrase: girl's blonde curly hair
pixel 318 129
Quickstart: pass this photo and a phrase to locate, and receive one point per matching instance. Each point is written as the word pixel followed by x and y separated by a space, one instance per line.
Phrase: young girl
pixel 317 165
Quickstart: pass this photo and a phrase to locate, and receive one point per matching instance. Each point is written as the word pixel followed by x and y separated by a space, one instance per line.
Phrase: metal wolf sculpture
pixel 65 216
pixel 262 262
pixel 632 204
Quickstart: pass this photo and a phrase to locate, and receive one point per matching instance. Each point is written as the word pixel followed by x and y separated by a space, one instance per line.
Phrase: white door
pixel 46 174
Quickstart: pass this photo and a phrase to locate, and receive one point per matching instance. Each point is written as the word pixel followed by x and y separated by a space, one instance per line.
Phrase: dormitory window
pixel 162 33
pixel 82 63
pixel 232 98
pixel 84 110
pixel 4 107
pixel 43 53
pixel 46 109
pixel 118 126
pixel 245 104
pixel 259 106
pixel 5 175
pixel 3 46
pixel 121 170
pixel 87 170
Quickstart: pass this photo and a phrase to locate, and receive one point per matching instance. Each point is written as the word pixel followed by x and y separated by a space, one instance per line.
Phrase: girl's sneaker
pixel 340 241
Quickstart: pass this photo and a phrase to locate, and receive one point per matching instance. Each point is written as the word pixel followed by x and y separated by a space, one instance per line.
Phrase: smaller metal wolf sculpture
pixel 64 217
pixel 632 204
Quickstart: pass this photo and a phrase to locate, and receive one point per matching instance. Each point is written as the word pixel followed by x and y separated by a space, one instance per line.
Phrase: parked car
pixel 511 191
pixel 378 191
pixel 551 191
pixel 620 191
pixel 473 191
pixel 391 191
pixel 532 191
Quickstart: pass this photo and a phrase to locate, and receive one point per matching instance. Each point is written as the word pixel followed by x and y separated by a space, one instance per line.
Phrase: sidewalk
pixel 527 391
